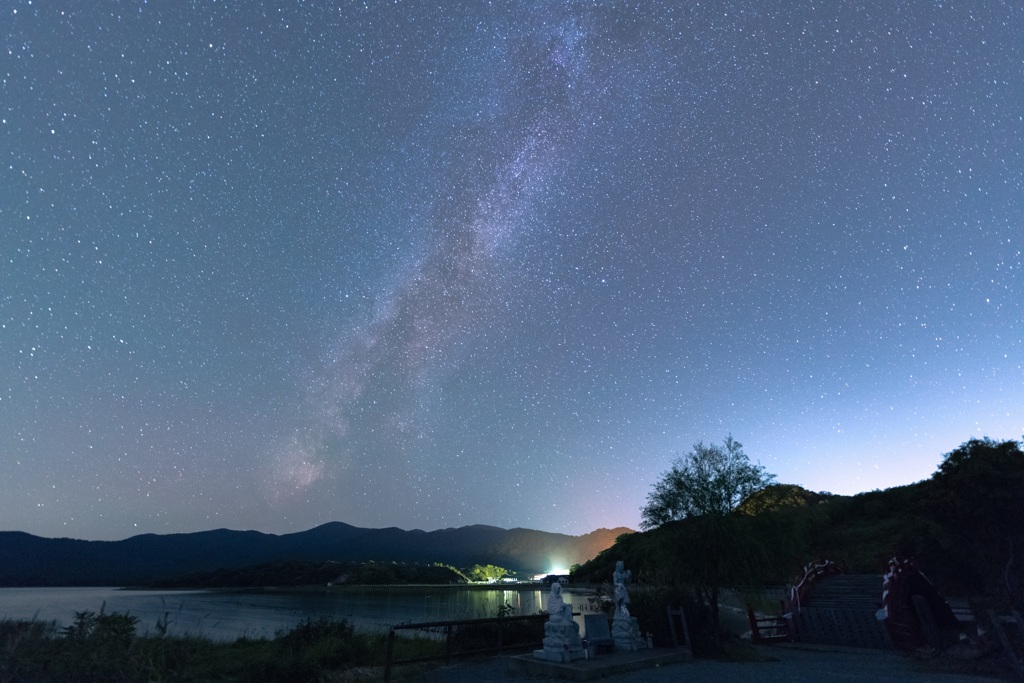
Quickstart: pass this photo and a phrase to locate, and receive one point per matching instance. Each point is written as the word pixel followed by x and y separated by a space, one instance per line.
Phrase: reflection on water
pixel 230 615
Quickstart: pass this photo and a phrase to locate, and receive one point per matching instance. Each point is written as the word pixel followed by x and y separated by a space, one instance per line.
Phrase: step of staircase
pixel 846 591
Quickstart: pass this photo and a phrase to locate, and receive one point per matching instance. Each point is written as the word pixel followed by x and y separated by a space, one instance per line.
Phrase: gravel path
pixel 788 665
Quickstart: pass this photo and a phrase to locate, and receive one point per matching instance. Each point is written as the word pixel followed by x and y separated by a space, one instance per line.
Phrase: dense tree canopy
pixel 709 480
pixel 778 496
pixel 486 572
pixel 978 495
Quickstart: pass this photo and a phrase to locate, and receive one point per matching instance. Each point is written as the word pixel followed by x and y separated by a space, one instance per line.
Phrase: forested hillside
pixel 962 527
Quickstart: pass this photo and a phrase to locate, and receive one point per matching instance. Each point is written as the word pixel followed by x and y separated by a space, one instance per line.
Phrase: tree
pixel 710 480
pixel 978 492
pixel 707 544
pixel 486 572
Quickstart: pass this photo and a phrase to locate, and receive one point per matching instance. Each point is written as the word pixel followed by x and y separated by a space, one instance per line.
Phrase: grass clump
pixel 105 648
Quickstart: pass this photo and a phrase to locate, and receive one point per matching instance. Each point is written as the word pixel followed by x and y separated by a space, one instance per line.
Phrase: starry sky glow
pixel 271 264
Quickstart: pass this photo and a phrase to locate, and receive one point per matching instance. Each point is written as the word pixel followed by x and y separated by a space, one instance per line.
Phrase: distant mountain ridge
pixel 27 560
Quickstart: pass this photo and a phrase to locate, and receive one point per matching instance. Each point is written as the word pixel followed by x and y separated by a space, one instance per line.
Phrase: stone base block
pixel 626 633
pixel 562 642
pixel 562 656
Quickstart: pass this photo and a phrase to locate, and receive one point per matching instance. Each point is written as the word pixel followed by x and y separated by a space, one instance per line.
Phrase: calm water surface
pixel 230 615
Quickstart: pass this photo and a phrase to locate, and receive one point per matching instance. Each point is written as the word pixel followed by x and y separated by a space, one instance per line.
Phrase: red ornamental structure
pixel 912 609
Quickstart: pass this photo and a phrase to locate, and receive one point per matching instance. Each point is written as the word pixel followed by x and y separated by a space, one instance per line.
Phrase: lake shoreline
pixel 339 588
pixel 229 613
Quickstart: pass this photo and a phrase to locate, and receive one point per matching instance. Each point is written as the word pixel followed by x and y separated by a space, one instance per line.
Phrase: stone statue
pixel 558 609
pixel 621 578
pixel 625 629
pixel 562 642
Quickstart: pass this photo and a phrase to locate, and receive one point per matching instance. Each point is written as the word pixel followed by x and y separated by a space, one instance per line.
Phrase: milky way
pixel 267 266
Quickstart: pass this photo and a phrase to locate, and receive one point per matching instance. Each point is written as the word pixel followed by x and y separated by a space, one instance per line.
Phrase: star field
pixel 268 265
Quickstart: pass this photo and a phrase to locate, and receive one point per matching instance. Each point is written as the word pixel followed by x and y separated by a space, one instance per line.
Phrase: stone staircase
pixel 848 591
pixel 840 610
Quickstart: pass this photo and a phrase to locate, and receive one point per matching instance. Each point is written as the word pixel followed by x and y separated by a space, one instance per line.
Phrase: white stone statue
pixel 621 578
pixel 558 609
pixel 625 629
pixel 562 641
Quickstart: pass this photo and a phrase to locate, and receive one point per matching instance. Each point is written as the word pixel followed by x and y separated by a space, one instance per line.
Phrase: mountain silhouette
pixel 27 560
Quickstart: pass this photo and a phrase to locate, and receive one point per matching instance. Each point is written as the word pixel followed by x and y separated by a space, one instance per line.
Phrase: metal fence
pixel 470 637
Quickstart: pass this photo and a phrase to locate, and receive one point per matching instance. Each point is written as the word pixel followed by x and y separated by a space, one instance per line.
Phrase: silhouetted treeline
pixel 962 526
pixel 297 573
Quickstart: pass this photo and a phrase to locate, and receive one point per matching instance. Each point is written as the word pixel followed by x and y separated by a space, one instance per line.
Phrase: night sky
pixel 269 265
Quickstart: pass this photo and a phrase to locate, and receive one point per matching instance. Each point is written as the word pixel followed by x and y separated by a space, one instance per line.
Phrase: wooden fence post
pixel 390 655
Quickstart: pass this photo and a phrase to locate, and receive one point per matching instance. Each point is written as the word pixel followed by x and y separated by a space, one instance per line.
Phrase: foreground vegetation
pixel 104 647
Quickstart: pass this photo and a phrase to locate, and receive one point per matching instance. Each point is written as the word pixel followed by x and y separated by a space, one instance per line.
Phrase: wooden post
pixel 390 655
pixel 672 614
pixel 1011 655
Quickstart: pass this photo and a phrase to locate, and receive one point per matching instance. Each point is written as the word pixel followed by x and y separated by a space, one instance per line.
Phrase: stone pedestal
pixel 626 634
pixel 562 642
